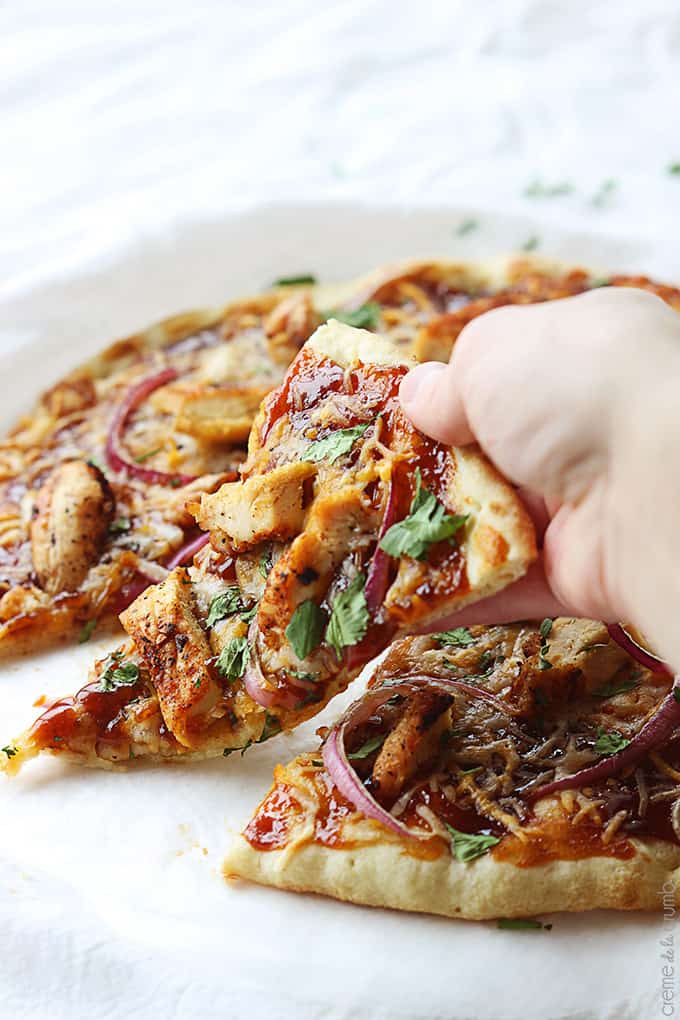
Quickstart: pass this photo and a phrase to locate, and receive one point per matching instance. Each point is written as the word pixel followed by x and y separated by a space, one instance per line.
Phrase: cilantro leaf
pixel 521 924
pixel 609 743
pixel 271 727
pixel 364 317
pixel 294 281
pixel 9 751
pixel 149 453
pixel 305 630
pixel 674 169
pixel 349 616
pixel 459 637
pixel 537 189
pixel 428 522
pixel 226 604
pixel 368 748
pixel 611 690
pixel 334 445
pixel 466 846
pixel 545 629
pixel 119 674
pixel 87 631
pixel 531 243
pixel 233 658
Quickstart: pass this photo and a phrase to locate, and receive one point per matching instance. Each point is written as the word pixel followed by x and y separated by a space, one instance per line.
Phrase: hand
pixel 577 402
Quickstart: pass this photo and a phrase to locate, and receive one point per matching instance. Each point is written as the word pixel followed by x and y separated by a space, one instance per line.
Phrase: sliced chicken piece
pixel 163 624
pixel 413 741
pixel 263 507
pixel 220 413
pixel 337 525
pixel 72 516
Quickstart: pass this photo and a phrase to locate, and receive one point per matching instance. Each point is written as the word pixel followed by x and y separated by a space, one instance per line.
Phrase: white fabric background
pixel 134 141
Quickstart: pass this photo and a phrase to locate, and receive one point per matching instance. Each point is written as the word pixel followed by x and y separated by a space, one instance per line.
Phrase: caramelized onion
pixel 656 731
pixel 132 399
pixel 646 658
pixel 335 757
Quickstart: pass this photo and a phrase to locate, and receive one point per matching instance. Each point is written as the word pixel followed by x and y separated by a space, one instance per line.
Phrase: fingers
pixel 432 401
pixel 527 599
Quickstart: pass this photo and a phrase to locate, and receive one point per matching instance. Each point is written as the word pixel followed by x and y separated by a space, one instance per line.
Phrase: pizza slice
pixel 487 772
pixel 346 528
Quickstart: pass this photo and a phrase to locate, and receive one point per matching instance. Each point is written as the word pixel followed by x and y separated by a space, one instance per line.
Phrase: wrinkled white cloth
pixel 143 145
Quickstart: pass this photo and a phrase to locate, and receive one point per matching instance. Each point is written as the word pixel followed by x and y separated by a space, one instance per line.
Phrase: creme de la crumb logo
pixel 667 944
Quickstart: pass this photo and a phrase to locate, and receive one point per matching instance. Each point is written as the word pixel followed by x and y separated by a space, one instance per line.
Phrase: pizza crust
pixel 384 875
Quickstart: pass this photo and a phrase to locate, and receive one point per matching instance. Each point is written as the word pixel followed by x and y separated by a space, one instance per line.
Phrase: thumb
pixel 432 401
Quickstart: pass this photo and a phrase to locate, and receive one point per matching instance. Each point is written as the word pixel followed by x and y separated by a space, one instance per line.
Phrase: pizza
pixel 486 772
pixel 346 528
pixel 94 481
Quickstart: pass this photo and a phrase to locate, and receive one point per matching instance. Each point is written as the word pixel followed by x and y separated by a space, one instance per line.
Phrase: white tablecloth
pixel 134 140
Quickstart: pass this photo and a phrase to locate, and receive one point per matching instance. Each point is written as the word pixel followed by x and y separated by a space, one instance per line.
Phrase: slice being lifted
pixel 437 791
pixel 347 528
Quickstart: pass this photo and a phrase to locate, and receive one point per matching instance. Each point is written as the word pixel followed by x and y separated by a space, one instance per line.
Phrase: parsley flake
pixel 674 169
pixel 349 616
pixel 11 752
pixel 368 748
pixel 334 445
pixel 265 564
pixel 466 227
pixel 466 846
pixel 233 659
pixel 428 522
pixel 609 743
pixel 364 317
pixel 149 453
pixel 271 727
pixel 459 637
pixel 531 243
pixel 226 604
pixel 305 630
pixel 521 924
pixel 120 525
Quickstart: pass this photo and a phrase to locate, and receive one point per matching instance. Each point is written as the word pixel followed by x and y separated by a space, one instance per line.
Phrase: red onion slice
pixel 132 399
pixel 254 681
pixel 186 552
pixel 656 731
pixel 378 571
pixel 642 655
pixel 335 757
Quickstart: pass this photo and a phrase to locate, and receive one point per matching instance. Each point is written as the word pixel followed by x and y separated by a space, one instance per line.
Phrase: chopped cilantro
pixel 249 614
pixel 521 924
pixel 120 525
pixel 301 675
pixel 349 616
pixel 459 637
pixel 611 690
pixel 233 658
pixel 604 193
pixel 197 682
pixel 294 281
pixel 428 522
pixel 149 453
pixel 466 846
pixel 305 630
pixel 609 743
pixel 10 751
pixel 676 692
pixel 226 604
pixel 537 189
pixel 266 561
pixel 87 631
pixel 545 629
pixel 315 763
pixel 531 243
pixel 471 771
pixel 334 445
pixel 118 673
pixel 368 748
pixel 466 227
pixel 364 317
pixel 271 727
pixel 674 169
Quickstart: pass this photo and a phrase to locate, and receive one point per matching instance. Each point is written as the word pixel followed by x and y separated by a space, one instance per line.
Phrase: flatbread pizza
pixel 347 527
pixel 486 772
pixel 94 481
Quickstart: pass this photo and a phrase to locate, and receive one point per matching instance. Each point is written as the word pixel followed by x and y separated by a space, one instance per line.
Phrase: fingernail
pixel 418 381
